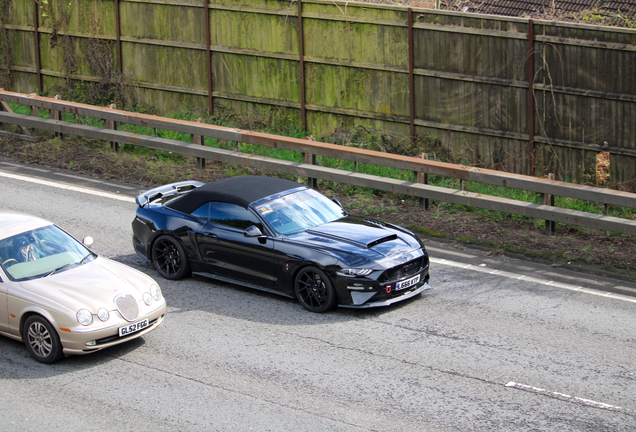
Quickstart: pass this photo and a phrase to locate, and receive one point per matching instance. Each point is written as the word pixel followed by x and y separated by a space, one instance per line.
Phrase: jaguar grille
pixel 127 307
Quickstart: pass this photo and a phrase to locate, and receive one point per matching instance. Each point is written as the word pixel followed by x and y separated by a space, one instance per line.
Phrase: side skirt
pixel 11 336
pixel 245 284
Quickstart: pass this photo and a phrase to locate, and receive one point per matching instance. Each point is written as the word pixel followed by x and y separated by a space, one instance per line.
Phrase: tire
pixel 314 290
pixel 41 340
pixel 170 258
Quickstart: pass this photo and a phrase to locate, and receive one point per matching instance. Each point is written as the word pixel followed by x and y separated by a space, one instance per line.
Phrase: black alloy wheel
pixel 41 340
pixel 314 290
pixel 169 258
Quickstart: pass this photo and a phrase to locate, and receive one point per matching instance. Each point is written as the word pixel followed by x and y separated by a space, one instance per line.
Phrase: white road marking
pixel 68 187
pixel 567 398
pixel 526 278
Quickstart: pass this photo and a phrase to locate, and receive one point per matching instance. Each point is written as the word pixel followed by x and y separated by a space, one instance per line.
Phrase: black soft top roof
pixel 241 191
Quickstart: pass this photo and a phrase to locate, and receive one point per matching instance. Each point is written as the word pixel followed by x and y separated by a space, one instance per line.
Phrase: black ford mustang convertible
pixel 279 236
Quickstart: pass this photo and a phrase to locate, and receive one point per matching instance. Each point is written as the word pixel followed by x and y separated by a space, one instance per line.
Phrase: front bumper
pixel 74 343
pixel 385 302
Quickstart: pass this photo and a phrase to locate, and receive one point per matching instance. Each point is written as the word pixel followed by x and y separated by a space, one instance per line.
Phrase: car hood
pixel 92 285
pixel 356 240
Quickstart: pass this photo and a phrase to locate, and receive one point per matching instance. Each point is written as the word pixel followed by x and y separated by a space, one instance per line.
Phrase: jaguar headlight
pixel 103 314
pixel 147 298
pixel 352 272
pixel 84 317
pixel 155 292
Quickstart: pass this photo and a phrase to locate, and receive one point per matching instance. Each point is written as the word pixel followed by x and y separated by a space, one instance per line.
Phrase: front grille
pixel 127 307
pixel 402 271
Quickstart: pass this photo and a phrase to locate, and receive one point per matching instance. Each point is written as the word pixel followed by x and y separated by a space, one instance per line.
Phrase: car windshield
pixel 41 252
pixel 299 211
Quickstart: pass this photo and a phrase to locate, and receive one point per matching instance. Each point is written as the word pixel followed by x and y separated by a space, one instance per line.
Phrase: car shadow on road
pixel 197 293
pixel 17 364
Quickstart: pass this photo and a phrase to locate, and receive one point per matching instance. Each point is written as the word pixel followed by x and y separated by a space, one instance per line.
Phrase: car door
pixel 225 249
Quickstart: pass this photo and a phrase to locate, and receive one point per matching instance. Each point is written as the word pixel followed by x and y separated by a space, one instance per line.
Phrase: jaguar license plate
pixel 407 283
pixel 132 328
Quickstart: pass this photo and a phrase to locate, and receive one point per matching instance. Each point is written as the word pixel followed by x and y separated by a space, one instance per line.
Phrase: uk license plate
pixel 407 283
pixel 132 328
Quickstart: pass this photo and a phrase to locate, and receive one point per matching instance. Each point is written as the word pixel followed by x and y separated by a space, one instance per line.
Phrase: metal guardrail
pixel 539 211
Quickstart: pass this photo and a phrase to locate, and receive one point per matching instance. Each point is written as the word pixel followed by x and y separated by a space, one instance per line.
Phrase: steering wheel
pixel 9 260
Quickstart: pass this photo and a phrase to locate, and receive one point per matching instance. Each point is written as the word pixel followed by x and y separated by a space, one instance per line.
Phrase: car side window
pixel 227 214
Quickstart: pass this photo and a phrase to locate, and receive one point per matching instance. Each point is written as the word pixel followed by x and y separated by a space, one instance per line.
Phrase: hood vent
pixel 382 240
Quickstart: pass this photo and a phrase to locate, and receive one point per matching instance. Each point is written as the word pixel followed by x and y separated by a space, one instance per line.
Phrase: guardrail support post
pixel 423 178
pixel 4 107
pixel 309 158
pixel 548 199
pixel 198 139
pixel 35 113
pixel 111 124
pixel 56 115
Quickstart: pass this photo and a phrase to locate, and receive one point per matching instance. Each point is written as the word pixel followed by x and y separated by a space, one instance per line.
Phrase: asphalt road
pixel 498 344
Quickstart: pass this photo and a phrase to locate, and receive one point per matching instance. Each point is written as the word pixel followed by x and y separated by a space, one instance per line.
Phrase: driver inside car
pixel 25 249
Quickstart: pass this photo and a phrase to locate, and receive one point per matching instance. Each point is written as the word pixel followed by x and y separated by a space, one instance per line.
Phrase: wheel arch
pixel 36 311
pixel 321 267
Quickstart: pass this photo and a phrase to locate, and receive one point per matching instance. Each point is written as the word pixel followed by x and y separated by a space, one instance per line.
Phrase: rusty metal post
pixel 209 59
pixel 548 199
pixel 111 124
pixel 411 75
pixel 531 95
pixel 36 34
pixel 301 66
pixel 199 139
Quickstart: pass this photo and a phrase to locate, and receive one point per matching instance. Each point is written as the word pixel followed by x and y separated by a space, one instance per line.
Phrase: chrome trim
pixel 88 350
pixel 107 326
pixel 161 303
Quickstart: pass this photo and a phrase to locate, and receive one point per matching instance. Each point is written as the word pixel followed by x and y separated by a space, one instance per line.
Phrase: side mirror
pixel 253 231
pixel 88 241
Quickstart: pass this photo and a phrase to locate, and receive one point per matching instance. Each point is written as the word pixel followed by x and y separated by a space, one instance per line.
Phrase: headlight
pixel 350 272
pixel 103 314
pixel 147 298
pixel 84 317
pixel 155 292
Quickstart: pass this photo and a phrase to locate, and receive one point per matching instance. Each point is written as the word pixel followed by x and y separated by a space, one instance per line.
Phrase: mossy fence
pixel 518 95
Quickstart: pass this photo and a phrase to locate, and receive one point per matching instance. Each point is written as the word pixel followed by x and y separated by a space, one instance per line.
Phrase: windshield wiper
pixel 57 269
pixel 68 264
pixel 84 259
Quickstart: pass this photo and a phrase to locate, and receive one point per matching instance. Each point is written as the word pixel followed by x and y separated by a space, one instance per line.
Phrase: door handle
pixel 209 234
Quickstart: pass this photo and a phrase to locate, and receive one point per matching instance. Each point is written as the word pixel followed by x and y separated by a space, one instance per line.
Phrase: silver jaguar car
pixel 60 298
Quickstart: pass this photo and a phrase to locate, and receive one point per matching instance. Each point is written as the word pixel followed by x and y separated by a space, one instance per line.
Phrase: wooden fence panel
pixel 471 72
pixel 242 75
pixel 22 13
pixel 264 33
pixel 588 97
pixel 168 23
